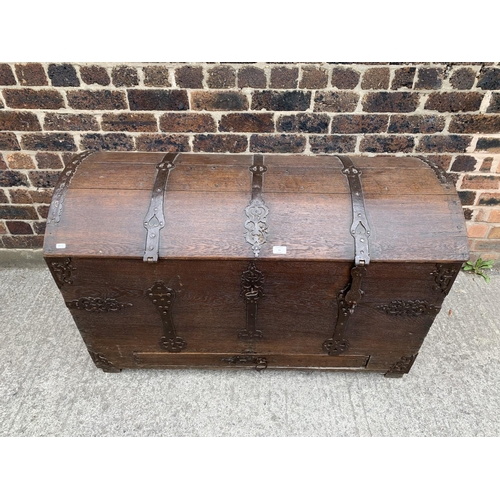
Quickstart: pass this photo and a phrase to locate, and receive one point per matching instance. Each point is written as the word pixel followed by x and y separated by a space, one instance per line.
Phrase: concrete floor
pixel 50 387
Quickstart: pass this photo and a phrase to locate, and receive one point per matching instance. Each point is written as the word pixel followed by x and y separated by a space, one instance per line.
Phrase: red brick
pixel 429 78
pixel 247 122
pixel 187 122
pixel 94 75
pixel 283 77
pixel 463 78
pixel 335 102
pixel 129 122
pixel 96 99
pixel 33 99
pixel 19 120
pixel 477 230
pixel 43 211
pixel 107 142
pixel 63 75
pixel 20 161
pixel 332 143
pixel 189 77
pixel 403 78
pixel 124 76
pixel 221 77
pixel 163 100
pixel 44 178
pixel 3 165
pixel 345 78
pixel 494 233
pixel 3 197
pixel 386 144
pixel 473 124
pixel 8 142
pixel 220 143
pixel 359 124
pixel 390 102
pixel 162 142
pixel 41 195
pixel 48 142
pixel 486 164
pixel 489 79
pixel 6 75
pixel 277 143
pixel 313 78
pixel 249 76
pixel 376 78
pixel 18 212
pixel 482 246
pixel 416 124
pixel 219 100
pixel 3 228
pixel 48 161
pixel 304 123
pixel 453 102
pixel 20 196
pixel 23 241
pixel 63 121
pixel 156 76
pixel 31 75
pixel 19 227
pixel 494 216
pixel 489 199
pixel 480 182
pixel 444 143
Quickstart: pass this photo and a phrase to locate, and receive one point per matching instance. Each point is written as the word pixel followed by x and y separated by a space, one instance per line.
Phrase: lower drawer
pixel 180 360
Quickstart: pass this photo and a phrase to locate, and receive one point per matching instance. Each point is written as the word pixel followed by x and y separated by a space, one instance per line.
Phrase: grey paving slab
pixel 50 387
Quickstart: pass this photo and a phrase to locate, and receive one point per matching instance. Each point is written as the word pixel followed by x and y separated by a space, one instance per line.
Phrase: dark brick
pixel 18 212
pixel 313 78
pixel 416 124
pixel 453 102
pixel 359 124
pixel 21 196
pixel 494 106
pixel 107 142
pixel 486 164
pixel 156 76
pixel 219 101
pixel 164 100
pixel 221 77
pixel 220 143
pixel 49 161
pixel 390 102
pixel 284 78
pixel 31 74
pixel 189 77
pixel 387 144
pixel 124 76
pixel 24 241
pixel 19 227
pixel 3 197
pixel 472 124
pixel 463 78
pixel 277 143
pixel 273 100
pixel 129 122
pixel 464 164
pixel 39 227
pixel 96 99
pixel 487 182
pixel 187 122
pixel 48 142
pixel 468 213
pixel 344 78
pixel 61 121
pixel 63 75
pixel 94 75
pixel 442 161
pixel 33 99
pixel 332 143
pixel 19 120
pixel 444 143
pixel 247 122
pixel 376 78
pixel 336 102
pixel 43 211
pixel 3 165
pixel 20 161
pixel 6 75
pixel 489 200
pixel 8 142
pixel 42 195
pixel 403 78
pixel 304 123
pixel 429 78
pixel 467 197
pixel 162 142
pixel 489 79
pixel 44 178
pixel 3 230
pixel 249 76
pixel 486 144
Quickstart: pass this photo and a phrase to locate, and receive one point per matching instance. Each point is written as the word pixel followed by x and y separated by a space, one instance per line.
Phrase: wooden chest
pixel 254 261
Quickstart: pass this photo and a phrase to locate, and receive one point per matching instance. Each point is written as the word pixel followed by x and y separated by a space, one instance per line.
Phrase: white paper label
pixel 279 250
pixel 60 245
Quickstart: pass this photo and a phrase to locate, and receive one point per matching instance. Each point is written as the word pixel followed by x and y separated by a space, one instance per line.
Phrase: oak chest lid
pixel 222 206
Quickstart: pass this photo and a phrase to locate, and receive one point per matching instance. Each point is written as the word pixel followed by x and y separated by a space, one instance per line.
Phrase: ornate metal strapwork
pixel 97 304
pixel 252 290
pixel 408 308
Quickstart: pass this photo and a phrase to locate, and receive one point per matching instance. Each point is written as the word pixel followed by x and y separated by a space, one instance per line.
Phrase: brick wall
pixel 449 112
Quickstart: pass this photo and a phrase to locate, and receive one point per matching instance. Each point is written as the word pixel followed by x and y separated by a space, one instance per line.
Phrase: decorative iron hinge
pixel 259 361
pixel 408 308
pixel 252 281
pixel 163 298
pixel 155 217
pixel 402 366
pixel 256 211
pixel 352 293
pixel 63 271
pixel 97 304
pixel 444 275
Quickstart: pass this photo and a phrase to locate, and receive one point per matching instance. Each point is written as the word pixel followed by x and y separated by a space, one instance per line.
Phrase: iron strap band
pixel 154 221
